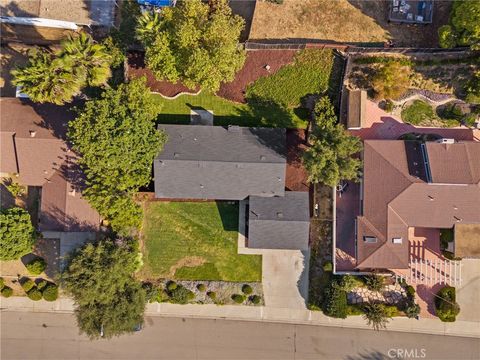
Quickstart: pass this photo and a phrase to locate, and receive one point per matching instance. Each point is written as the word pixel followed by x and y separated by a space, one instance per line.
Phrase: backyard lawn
pixel 226 112
pixel 195 241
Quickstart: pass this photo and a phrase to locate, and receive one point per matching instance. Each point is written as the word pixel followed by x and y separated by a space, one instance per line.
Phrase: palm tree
pixel 376 315
pixel 45 79
pixel 90 60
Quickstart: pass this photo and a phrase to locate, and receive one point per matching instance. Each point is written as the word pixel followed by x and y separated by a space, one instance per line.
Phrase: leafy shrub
pixel 348 282
pixel 391 311
pixel 2 283
pixel 314 307
pixel 446 306
pixel 255 299
pixel 335 300
pixel 247 289
pixel 391 80
pixel 17 233
pixel 374 282
pixel 355 309
pixel 328 266
pixel 412 310
pixel 278 2
pixel 42 284
pixel 36 266
pixel 34 294
pixel 7 291
pixel 410 291
pixel 201 287
pixel 50 293
pixel 418 112
pixel 212 295
pixel 27 285
pixel 171 285
pixel 238 298
pixel 376 315
pixel 181 295
pixel 388 105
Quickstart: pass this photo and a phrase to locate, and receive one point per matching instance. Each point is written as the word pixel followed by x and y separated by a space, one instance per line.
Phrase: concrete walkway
pixel 260 313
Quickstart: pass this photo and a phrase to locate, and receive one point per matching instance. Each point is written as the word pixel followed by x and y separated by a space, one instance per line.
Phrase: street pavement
pixel 27 335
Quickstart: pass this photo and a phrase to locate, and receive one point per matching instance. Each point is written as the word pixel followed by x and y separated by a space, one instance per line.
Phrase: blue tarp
pixel 160 3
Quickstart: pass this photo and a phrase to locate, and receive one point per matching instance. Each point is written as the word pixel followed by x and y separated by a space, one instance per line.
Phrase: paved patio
pixel 383 125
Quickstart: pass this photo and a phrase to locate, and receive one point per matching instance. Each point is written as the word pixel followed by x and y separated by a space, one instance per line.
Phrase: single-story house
pixel 201 162
pixel 34 152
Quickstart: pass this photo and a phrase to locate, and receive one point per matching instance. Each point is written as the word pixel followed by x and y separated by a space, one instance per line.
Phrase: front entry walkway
pixel 284 272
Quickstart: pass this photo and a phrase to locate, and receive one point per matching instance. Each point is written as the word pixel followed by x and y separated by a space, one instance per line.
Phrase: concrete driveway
pixel 469 292
pixel 285 278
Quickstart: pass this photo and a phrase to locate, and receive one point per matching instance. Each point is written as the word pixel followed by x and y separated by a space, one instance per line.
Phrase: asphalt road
pixel 55 336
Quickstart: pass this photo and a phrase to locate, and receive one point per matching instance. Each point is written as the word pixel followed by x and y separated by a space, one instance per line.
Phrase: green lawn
pixel 195 241
pixel 177 111
pixel 421 113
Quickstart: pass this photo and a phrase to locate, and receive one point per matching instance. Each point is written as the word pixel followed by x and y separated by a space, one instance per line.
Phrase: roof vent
pixel 457 219
pixel 72 191
pixel 455 207
pixel 176 155
pixel 370 239
pixel 234 128
pixel 431 198
pixel 446 141
pixel 33 133
pixel 263 157
pixel 397 240
pixel 201 186
pixel 280 215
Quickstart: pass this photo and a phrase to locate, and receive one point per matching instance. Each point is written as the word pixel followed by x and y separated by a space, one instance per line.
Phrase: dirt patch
pixel 136 68
pixel 296 175
pixel 350 21
pixel 189 261
pixel 254 68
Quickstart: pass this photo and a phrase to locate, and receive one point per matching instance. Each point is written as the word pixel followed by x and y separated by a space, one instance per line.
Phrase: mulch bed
pixel 136 68
pixel 253 69
pixel 296 177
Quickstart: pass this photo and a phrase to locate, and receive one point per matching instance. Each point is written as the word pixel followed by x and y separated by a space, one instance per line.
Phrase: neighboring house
pixel 409 186
pixel 411 11
pixel 45 21
pixel 235 163
pixel 34 152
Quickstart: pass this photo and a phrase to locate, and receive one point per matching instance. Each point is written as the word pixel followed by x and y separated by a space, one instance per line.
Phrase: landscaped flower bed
pixel 206 292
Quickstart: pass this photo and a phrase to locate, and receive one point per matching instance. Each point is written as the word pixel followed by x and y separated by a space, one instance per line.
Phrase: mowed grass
pixel 226 112
pixel 195 241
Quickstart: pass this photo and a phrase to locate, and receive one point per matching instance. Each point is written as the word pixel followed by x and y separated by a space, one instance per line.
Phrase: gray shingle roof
pixel 279 222
pixel 215 162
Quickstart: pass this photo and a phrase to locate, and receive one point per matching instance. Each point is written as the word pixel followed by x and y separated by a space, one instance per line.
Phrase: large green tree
pixel 464 27
pixel 195 42
pixel 117 140
pixel 100 279
pixel 58 76
pixel 17 233
pixel 330 156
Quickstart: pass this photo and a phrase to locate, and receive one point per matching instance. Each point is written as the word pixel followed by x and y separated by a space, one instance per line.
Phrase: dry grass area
pixel 315 19
pixel 351 21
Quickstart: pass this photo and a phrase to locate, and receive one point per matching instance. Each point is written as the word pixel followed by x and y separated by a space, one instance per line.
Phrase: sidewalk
pixel 261 313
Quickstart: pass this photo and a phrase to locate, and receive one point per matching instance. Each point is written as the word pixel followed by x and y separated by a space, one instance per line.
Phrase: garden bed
pixel 195 241
pixel 211 292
